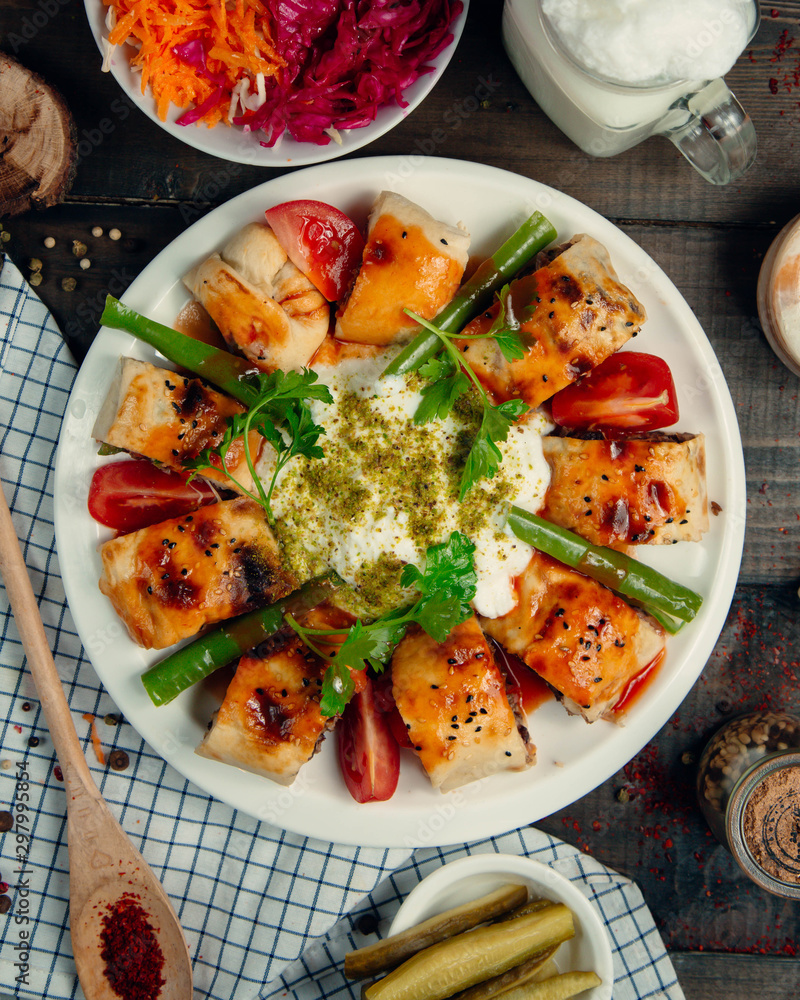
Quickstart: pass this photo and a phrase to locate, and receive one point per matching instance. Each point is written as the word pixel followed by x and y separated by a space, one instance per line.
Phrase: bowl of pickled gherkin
pixel 486 926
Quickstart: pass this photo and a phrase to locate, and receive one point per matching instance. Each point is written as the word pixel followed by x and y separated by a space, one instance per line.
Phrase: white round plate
pixel 460 881
pixel 573 757
pixel 236 146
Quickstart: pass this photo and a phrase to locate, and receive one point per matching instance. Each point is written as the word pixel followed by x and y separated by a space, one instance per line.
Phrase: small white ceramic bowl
pixel 468 878
pixel 233 144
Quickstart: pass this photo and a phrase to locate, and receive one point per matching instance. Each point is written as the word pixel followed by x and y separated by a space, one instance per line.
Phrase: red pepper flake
pixel 131 951
pixel 774 13
pixel 773 86
pixel 58 774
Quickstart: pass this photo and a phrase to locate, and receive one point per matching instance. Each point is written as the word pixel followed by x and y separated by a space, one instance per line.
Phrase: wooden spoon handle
pixel 37 649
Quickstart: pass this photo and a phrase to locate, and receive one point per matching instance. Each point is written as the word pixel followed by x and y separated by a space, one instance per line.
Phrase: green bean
pixel 194 662
pixel 476 294
pixel 616 570
pixel 227 371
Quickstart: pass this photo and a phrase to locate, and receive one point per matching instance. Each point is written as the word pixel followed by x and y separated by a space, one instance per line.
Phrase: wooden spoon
pixel 103 863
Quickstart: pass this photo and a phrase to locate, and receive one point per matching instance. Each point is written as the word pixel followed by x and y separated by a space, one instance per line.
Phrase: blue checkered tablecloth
pixel 267 913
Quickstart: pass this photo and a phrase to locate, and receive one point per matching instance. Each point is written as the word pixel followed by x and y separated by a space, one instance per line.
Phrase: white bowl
pixel 468 878
pixel 233 144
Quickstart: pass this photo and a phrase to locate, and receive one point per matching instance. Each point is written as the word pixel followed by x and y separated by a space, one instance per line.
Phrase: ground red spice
pixel 131 951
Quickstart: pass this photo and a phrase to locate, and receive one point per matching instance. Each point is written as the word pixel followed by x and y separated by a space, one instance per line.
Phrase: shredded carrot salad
pixel 194 52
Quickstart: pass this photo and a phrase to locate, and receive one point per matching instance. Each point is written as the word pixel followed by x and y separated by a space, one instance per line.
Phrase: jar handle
pixel 713 132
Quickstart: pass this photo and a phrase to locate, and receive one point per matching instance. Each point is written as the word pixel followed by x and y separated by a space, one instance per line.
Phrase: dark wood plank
pixel 736 977
pixel 136 160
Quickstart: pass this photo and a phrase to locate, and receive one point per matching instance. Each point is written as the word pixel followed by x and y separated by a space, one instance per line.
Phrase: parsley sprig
pixel 281 414
pixel 446 588
pixel 451 377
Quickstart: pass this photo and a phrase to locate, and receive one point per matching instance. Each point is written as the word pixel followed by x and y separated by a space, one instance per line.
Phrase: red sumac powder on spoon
pixel 131 950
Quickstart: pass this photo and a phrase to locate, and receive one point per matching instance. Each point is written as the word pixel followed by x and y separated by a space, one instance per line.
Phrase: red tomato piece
pixel 321 241
pixel 134 494
pixel 628 392
pixel 368 752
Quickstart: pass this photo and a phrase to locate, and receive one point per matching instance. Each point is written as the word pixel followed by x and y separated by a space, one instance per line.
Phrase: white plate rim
pixel 420 904
pixel 416 816
pixel 237 147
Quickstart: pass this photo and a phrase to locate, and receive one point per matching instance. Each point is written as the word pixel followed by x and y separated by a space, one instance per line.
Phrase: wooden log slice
pixel 37 141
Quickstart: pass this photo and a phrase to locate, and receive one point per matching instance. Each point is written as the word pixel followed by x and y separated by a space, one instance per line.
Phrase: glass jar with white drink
pixel 611 73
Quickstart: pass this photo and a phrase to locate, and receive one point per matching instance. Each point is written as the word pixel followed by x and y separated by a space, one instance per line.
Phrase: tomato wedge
pixel 135 494
pixel 628 392
pixel 321 241
pixel 368 752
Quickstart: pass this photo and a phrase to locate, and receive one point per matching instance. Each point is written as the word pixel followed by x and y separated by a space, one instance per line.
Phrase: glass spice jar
pixel 748 787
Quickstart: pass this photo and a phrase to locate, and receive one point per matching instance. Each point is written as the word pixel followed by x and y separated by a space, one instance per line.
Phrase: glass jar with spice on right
pixel 748 787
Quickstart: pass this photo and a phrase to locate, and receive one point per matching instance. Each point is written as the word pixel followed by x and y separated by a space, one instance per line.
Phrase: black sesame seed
pixel 194 423
pixel 584 657
pixel 565 625
pixel 469 698
pixel 165 576
pixel 587 513
pixel 149 590
pixel 508 753
pixel 684 521
pixel 454 718
pixel 648 518
pixel 451 661
pixel 33 741
pixel 208 552
pixel 172 545
pixel 417 748
pixel 629 323
pixel 284 693
pixel 479 656
pixel 184 571
pixel 452 737
pixel 587 499
pixel 552 301
pixel 638 468
pixel 189 517
pixel 590 302
pixel 443 241
pixel 175 451
pixel 483 711
pixel 176 408
pixel 604 476
pixel 670 520
pixel 551 315
pixel 434 687
pixel 560 613
pixel 478 729
pixel 405 234
pixel 454 725
pixel 597 680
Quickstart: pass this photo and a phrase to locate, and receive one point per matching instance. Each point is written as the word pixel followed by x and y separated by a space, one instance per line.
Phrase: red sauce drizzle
pixel 639 684
pixel 131 951
pixel 528 686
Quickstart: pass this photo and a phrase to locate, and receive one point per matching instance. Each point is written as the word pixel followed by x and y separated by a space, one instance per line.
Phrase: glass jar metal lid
pixel 763 824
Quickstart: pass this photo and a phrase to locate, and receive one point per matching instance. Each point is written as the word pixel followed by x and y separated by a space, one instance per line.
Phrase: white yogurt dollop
pixel 388 488
pixel 659 41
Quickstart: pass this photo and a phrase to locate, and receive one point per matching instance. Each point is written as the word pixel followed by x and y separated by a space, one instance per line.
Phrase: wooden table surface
pixel 727 938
